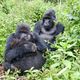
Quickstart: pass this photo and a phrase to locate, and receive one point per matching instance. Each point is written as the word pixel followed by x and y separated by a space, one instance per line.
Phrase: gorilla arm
pixel 14 53
pixel 21 51
pixel 37 27
pixel 59 28
pixel 41 45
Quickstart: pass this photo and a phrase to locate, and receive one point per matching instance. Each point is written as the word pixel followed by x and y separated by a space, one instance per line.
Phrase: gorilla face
pixel 48 23
pixel 49 19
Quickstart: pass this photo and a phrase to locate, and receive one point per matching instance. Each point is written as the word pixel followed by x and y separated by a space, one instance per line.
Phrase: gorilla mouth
pixel 47 28
pixel 23 30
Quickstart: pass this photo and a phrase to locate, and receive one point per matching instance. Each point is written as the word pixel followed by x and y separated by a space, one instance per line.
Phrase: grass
pixel 63 64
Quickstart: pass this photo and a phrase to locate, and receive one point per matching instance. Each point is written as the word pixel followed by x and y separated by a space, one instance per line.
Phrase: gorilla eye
pixel 46 22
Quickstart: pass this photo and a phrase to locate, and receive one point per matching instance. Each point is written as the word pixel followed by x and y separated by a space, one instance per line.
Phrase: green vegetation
pixel 63 64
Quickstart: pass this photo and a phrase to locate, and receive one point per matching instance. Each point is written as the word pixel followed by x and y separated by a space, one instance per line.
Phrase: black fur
pixel 24 54
pixel 48 28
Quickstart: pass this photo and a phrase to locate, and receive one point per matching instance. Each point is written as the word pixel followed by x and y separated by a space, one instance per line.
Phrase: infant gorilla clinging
pixel 24 50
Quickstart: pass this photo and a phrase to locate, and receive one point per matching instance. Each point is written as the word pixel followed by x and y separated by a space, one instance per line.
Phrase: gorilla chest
pixel 47 35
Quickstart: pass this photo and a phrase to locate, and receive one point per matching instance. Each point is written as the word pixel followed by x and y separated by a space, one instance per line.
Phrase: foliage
pixel 63 64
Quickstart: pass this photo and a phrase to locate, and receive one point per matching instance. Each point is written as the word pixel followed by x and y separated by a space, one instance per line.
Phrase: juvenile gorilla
pixel 24 50
pixel 48 28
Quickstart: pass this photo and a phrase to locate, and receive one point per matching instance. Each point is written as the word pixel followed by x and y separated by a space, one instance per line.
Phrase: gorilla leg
pixel 7 66
pixel 26 63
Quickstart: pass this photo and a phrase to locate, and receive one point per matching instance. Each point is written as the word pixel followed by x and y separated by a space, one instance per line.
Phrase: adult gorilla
pixel 24 50
pixel 48 28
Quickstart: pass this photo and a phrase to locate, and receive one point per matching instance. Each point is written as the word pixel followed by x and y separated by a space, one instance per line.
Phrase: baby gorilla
pixel 24 40
pixel 48 28
pixel 24 50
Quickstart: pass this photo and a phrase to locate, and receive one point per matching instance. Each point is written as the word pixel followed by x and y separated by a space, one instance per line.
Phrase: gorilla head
pixel 23 31
pixel 49 19
pixel 23 28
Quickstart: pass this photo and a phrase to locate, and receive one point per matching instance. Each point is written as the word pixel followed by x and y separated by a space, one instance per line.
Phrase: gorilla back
pixel 24 55
pixel 26 63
